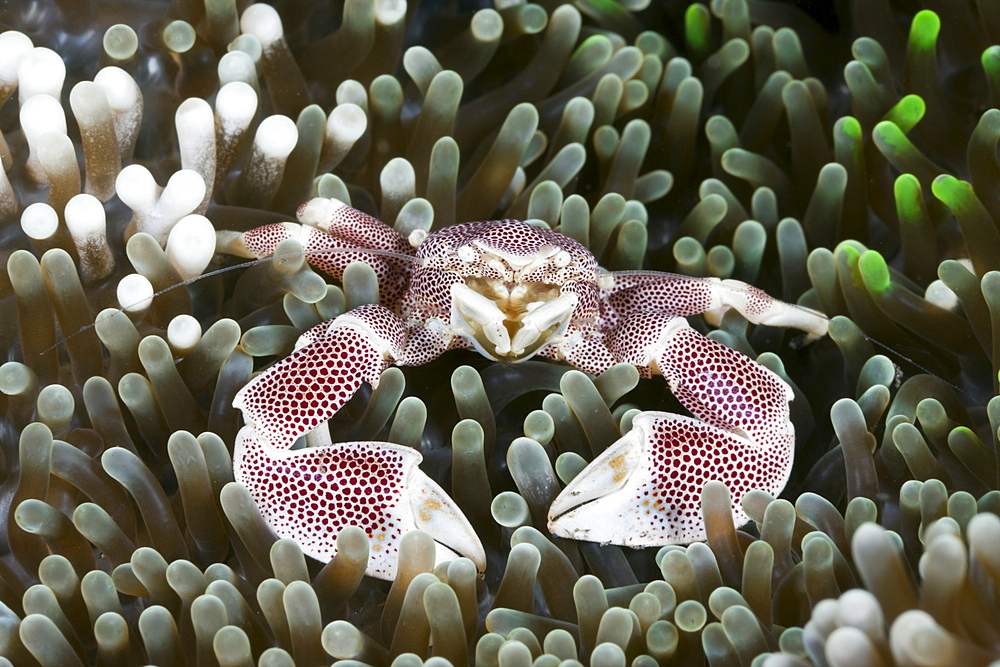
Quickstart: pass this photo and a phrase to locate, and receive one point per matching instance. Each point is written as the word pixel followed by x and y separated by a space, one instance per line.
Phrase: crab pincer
pixel 311 494
pixel 645 489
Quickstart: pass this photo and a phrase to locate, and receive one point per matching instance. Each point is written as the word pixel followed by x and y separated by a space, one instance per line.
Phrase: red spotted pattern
pixel 744 439
pixel 727 389
pixel 391 272
pixel 684 454
pixel 429 295
pixel 441 251
pixel 663 293
pixel 311 495
pixel 306 388
pixel 758 302
pixel 332 254
pixel 360 229
pixel 262 240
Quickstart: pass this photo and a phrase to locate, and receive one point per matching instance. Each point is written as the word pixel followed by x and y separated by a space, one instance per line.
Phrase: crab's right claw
pixel 307 387
pixel 310 495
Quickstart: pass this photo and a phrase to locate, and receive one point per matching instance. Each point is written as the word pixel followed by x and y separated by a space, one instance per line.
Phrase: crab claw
pixel 310 495
pixel 645 489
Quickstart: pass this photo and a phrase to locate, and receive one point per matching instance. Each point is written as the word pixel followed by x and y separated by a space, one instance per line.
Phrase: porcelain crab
pixel 511 291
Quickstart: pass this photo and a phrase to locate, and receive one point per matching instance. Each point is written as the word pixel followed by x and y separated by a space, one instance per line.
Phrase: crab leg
pixel 333 236
pixel 350 224
pixel 307 387
pixel 310 495
pixel 644 490
pixel 326 252
pixel 674 294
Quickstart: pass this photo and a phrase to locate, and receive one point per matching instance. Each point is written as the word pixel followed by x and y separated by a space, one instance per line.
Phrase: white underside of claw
pixel 435 513
pixel 602 483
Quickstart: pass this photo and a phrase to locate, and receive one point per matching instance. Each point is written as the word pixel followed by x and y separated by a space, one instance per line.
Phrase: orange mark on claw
pixel 618 465
pixel 430 505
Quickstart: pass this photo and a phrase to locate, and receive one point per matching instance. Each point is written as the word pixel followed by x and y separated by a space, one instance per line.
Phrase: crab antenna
pixel 226 269
pixel 899 355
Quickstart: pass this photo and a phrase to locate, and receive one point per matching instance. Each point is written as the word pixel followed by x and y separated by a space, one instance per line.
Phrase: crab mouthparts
pixel 514 321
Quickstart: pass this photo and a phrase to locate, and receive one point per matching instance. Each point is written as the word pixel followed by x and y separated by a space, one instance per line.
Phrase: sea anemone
pixel 843 158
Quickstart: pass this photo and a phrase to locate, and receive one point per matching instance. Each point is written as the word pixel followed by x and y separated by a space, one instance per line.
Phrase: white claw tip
pixel 417 237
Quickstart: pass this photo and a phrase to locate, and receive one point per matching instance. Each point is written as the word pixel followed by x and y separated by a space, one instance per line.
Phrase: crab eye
pixel 562 259
pixel 468 254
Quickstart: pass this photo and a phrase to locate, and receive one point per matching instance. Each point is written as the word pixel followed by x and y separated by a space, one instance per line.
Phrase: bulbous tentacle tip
pixel 310 495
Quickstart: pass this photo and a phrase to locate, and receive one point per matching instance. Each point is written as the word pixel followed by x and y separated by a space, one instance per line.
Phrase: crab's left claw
pixel 310 495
